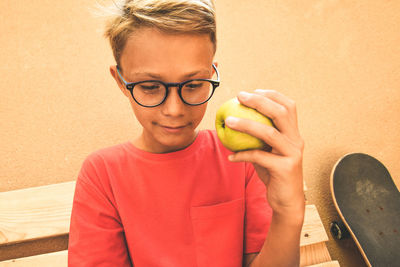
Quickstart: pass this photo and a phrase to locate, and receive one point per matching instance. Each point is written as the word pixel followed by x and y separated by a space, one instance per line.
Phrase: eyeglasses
pixel 152 93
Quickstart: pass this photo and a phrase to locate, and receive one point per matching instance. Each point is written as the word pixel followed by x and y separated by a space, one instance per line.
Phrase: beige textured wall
pixel 340 61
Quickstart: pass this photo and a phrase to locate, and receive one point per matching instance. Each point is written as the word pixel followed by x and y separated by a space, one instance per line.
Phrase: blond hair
pixel 171 16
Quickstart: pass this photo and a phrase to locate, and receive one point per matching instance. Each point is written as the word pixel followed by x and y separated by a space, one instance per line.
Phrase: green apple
pixel 235 140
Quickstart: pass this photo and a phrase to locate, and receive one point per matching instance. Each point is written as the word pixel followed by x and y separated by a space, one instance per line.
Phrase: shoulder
pixel 100 167
pixel 107 156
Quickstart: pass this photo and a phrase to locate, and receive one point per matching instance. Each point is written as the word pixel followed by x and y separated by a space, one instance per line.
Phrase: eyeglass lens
pixel 153 93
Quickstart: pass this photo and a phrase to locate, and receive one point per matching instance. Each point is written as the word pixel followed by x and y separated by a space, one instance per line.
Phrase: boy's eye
pixel 149 86
pixel 149 93
pixel 193 85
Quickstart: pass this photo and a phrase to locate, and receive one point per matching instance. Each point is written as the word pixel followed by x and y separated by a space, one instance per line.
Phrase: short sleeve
pixel 96 234
pixel 258 213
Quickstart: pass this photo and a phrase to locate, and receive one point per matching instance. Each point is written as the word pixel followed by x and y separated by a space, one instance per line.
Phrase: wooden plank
pixel 314 254
pixel 305 190
pixel 313 237
pixel 44 211
pixel 59 259
pixel 313 230
pixel 326 264
pixel 37 212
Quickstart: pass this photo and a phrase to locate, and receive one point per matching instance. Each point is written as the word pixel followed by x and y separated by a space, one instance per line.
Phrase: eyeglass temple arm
pixel 216 70
pixel 122 78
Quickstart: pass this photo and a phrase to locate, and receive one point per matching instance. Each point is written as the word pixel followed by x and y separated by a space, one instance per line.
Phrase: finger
pixel 261 158
pixel 284 119
pixel 272 163
pixel 277 97
pixel 268 134
pixel 280 98
pixel 262 104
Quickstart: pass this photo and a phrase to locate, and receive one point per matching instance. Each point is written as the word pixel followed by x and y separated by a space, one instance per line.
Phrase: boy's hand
pixel 281 168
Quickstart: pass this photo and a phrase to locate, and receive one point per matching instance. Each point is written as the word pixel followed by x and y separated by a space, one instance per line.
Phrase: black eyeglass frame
pixel 130 86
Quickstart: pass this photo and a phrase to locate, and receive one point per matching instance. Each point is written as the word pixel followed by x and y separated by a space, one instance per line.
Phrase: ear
pixel 121 85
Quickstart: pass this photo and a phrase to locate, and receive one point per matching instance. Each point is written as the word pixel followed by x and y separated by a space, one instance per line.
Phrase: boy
pixel 175 196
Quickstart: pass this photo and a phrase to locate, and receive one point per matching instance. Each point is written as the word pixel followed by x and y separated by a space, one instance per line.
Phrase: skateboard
pixel 368 203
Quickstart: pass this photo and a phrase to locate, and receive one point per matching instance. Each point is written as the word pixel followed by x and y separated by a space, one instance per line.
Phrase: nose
pixel 173 105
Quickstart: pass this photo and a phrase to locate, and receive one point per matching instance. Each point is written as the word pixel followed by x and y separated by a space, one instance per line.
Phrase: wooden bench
pixel 44 212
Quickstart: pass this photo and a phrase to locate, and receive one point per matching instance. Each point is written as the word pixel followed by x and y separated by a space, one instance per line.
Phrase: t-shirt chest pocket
pixel 218 233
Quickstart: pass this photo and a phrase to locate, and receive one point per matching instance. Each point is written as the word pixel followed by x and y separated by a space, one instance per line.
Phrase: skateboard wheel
pixel 339 230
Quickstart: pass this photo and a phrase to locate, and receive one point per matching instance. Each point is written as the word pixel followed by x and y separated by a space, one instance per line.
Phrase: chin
pixel 175 143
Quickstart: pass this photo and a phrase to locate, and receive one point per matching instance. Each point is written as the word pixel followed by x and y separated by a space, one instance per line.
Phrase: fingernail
pixel 231 121
pixel 230 157
pixel 244 95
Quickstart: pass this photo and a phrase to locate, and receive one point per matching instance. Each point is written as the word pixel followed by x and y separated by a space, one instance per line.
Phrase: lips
pixel 173 128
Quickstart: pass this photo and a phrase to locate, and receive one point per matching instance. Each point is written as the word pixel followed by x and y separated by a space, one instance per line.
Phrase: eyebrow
pixel 159 77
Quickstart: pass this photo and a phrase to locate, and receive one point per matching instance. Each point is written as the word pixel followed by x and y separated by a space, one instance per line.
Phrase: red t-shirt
pixel 187 208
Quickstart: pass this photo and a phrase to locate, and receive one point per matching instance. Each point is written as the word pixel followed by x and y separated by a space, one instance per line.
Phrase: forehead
pixel 149 48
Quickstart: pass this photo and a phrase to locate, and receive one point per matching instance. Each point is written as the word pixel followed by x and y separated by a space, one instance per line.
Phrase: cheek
pixel 199 112
pixel 142 114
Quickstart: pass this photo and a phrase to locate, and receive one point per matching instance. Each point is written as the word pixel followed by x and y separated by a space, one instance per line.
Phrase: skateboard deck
pixel 368 203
